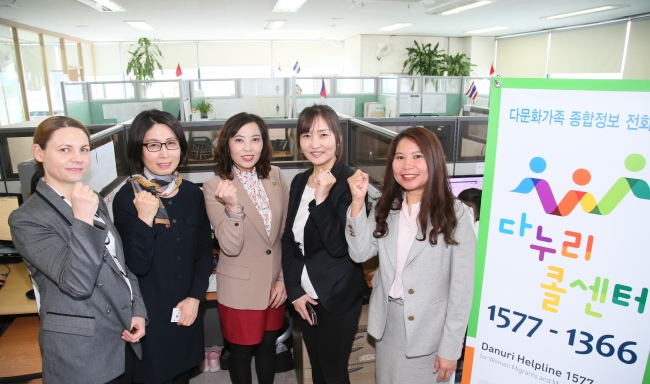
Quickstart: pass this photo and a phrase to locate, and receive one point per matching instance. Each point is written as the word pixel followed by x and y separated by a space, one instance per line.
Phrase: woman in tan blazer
pixel 247 204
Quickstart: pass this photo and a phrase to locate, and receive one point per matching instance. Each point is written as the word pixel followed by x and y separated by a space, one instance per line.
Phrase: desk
pixel 20 354
pixel 12 296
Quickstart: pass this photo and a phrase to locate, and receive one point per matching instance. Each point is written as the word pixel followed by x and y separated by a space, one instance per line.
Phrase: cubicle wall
pixel 398 95
pixel 365 146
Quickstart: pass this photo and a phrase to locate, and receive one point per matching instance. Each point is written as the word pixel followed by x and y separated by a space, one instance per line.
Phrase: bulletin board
pixel 562 262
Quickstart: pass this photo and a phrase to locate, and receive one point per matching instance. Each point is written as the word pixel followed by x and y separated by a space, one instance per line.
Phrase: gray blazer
pixel 85 302
pixel 438 283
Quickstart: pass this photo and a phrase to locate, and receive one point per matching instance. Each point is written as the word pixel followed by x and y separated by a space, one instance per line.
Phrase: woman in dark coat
pixel 167 243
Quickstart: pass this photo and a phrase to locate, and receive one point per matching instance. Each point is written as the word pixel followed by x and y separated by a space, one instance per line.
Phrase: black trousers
pixel 329 344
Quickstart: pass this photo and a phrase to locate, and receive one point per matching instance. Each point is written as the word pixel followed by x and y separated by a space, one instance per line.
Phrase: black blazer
pixel 338 281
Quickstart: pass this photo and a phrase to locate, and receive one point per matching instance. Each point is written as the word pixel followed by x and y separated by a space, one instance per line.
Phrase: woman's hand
pixel 324 182
pixel 278 294
pixel 189 310
pixel 227 193
pixel 84 203
pixel 138 324
pixel 147 206
pixel 444 367
pixel 301 308
pixel 358 188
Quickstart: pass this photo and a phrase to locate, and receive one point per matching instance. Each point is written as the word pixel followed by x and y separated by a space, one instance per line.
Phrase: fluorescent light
pixel 466 7
pixel 583 12
pixel 288 5
pixel 141 25
pixel 489 29
pixel 274 24
pixel 103 5
pixel 395 26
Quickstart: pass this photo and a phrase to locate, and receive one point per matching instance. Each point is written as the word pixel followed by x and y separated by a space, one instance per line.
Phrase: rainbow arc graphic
pixel 619 190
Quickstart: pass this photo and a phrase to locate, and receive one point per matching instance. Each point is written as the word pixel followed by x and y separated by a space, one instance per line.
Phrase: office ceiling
pixel 183 20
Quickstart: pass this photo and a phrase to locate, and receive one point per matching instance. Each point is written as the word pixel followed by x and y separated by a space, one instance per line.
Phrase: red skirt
pixel 247 326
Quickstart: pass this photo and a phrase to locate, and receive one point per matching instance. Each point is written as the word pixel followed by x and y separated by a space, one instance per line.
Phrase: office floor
pixel 222 377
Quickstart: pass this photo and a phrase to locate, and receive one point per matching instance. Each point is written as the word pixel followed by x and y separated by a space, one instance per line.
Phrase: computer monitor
pixel 461 183
pixel 8 203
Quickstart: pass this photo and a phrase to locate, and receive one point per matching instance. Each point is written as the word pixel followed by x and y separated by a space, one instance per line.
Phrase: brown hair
pixel 47 127
pixel 224 162
pixel 437 206
pixel 310 114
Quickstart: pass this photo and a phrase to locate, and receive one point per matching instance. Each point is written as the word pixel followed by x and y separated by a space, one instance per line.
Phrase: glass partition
pixel 472 139
pixel 11 101
pixel 356 86
pixel 30 50
pixel 214 88
pixel 443 128
pixel 112 91
pixel 367 149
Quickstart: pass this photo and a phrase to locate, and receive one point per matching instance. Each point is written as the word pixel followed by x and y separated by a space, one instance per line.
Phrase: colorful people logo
pixel 639 188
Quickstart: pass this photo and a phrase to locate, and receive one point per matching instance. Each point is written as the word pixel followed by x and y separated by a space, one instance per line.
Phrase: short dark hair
pixel 308 116
pixel 222 157
pixel 139 127
pixel 47 127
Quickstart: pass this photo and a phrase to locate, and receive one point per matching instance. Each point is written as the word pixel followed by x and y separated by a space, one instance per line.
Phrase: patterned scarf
pixel 159 186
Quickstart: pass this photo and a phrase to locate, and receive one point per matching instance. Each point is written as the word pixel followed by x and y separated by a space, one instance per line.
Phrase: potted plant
pixel 144 60
pixel 205 107
pixel 424 60
pixel 458 65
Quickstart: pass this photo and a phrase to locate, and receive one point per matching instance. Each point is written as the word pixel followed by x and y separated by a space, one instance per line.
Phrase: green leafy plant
pixel 424 60
pixel 144 60
pixel 205 107
pixel 458 64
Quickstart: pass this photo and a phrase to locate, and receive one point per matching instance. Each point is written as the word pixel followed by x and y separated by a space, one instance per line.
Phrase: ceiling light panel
pixel 274 24
pixel 395 26
pixel 583 12
pixel 489 29
pixel 288 5
pixel 103 5
pixel 141 25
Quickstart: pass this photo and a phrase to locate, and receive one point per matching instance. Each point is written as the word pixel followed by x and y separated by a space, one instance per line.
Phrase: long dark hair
pixel 437 206
pixel 222 157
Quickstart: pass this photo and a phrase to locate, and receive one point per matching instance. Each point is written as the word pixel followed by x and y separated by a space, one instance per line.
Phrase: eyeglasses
pixel 156 147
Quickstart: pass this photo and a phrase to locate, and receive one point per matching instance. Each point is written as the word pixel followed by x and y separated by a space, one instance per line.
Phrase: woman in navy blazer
pixel 318 271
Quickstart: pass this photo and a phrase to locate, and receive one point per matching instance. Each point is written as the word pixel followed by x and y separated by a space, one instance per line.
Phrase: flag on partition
pixel 279 67
pixel 323 91
pixel 492 69
pixel 472 92
pixel 296 67
pixel 179 71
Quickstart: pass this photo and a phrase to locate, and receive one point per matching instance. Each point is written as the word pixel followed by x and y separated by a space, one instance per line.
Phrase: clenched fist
pixel 227 193
pixel 84 202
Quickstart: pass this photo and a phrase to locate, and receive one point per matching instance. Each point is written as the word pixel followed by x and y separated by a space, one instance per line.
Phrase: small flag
pixel 296 67
pixel 179 71
pixel 323 91
pixel 492 69
pixel 279 67
pixel 472 92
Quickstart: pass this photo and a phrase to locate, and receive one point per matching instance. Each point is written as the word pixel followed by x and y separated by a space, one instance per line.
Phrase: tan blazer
pixel 250 260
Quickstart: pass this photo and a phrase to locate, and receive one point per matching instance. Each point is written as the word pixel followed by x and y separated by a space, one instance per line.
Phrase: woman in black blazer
pixel 319 274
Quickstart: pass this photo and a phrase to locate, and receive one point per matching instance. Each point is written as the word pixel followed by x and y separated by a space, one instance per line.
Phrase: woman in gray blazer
pixel 422 292
pixel 92 313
